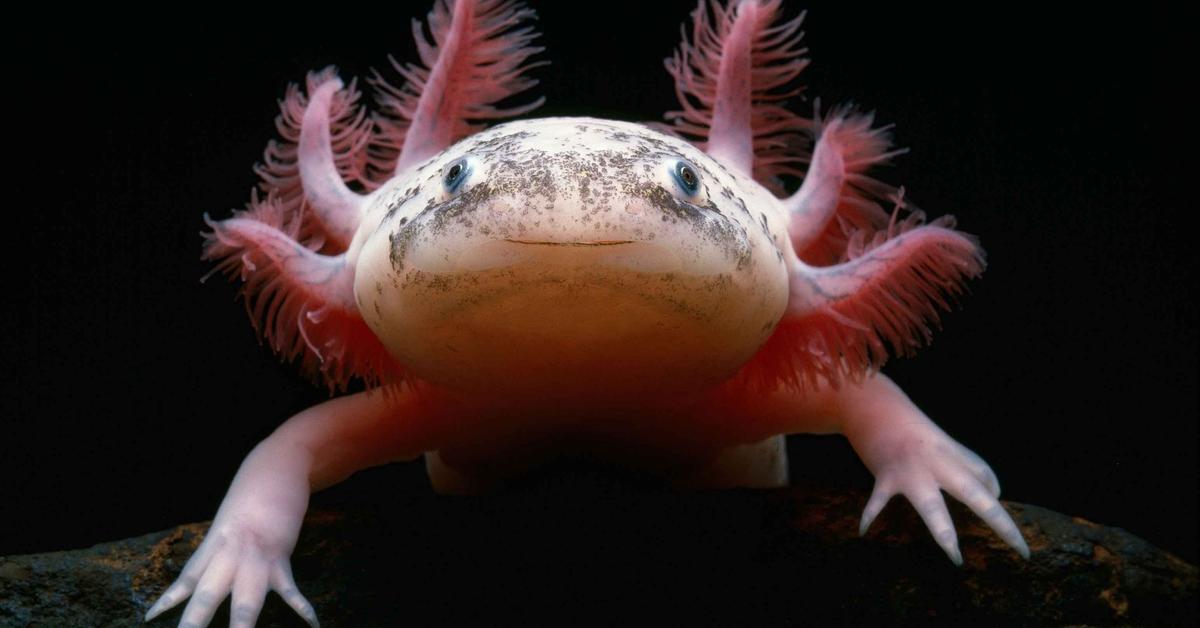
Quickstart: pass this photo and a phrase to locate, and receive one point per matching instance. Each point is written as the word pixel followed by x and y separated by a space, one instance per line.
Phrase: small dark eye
pixel 456 173
pixel 686 177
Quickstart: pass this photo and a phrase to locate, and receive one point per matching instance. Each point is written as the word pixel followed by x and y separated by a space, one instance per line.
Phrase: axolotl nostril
pixel 561 286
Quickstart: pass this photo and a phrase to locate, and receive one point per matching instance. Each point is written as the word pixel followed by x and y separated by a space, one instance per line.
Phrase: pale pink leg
pixel 906 452
pixel 248 548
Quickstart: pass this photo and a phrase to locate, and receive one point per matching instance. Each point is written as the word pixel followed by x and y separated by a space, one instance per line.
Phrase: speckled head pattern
pixel 573 232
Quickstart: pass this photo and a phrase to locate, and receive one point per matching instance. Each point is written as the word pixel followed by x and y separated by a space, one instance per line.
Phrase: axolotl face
pixel 565 254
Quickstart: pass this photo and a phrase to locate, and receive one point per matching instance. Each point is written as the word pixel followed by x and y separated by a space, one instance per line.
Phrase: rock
pixel 606 556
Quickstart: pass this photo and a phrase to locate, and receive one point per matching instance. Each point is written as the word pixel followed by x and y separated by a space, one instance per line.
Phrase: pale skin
pixel 569 286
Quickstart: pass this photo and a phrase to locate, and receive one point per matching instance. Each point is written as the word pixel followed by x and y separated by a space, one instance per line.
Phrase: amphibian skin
pixel 646 294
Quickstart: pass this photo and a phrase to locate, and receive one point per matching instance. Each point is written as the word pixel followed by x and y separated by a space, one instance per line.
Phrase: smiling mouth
pixel 577 243
pixel 633 255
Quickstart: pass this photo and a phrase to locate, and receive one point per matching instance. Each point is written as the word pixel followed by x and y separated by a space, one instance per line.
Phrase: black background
pixel 131 391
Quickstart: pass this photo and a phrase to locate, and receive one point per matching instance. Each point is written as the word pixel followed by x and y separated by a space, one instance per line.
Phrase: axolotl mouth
pixel 632 255
pixel 574 243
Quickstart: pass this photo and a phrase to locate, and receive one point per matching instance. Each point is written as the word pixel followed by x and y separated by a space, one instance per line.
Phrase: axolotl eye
pixel 686 177
pixel 455 173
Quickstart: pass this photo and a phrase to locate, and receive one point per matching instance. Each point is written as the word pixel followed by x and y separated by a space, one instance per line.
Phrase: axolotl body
pixel 580 287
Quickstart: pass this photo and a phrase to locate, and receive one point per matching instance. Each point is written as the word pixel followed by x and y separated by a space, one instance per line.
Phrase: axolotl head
pixel 567 253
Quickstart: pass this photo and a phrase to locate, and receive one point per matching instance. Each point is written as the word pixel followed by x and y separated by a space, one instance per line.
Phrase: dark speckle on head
pixel 434 218
pixel 741 206
pixel 666 202
pixel 400 241
pixel 399 199
pixel 706 218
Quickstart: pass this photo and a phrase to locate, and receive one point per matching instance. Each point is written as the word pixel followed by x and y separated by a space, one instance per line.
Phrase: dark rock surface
pixel 790 556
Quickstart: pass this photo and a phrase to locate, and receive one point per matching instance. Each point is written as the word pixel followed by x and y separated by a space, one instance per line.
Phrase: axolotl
pixel 647 294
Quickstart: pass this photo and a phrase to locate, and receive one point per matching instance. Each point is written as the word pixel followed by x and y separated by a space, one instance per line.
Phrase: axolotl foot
pixel 247 550
pixel 232 561
pixel 911 456
pixel 908 454
pixel 924 461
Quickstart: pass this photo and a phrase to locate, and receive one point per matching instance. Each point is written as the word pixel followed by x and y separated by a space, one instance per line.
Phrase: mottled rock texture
pixel 603 556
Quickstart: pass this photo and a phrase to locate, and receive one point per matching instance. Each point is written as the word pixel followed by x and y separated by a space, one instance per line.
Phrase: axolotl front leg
pixel 247 550
pixel 908 454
